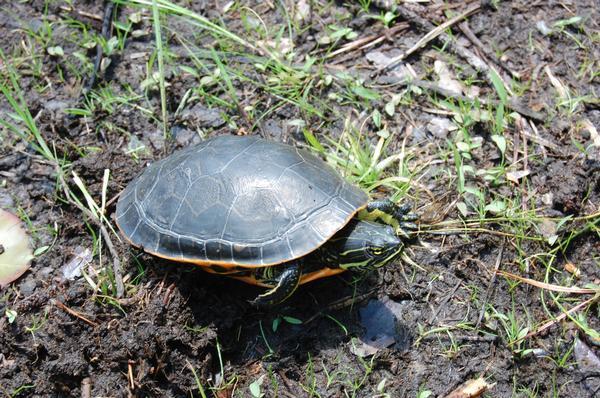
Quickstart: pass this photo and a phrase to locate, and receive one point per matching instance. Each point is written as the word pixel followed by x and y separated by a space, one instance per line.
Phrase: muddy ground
pixel 71 340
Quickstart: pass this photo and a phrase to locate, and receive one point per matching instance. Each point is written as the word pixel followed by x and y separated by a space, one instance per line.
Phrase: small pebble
pixel 440 127
pixel 6 200
pixel 27 287
pixel 543 28
pixel 45 272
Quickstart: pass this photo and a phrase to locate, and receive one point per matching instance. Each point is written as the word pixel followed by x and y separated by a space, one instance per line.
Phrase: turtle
pixel 264 212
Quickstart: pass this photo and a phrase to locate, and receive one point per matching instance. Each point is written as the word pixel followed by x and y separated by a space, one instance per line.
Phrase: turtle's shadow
pixel 319 316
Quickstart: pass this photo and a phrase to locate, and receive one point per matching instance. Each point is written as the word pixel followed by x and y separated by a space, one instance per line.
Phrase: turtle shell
pixel 236 201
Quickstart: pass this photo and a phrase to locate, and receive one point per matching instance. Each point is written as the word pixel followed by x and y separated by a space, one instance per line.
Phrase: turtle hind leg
pixel 285 282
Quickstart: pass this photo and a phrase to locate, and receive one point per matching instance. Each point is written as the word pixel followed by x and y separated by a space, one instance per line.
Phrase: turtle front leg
pixel 400 214
pixel 285 283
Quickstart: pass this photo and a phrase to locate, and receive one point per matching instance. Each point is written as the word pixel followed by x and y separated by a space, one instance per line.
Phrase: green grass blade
pixel 499 86
pixel 161 68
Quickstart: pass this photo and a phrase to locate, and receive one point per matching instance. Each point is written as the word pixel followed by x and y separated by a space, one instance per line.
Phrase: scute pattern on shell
pixel 236 200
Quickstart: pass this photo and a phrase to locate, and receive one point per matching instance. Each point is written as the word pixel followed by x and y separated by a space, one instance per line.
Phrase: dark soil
pixel 69 340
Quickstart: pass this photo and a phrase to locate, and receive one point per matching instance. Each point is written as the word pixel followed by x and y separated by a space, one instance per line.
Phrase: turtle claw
pixel 400 213
pixel 406 227
pixel 409 225
pixel 285 284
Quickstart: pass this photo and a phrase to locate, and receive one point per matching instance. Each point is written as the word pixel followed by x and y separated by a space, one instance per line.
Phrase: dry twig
pixel 74 313
pixel 559 318
pixel 432 34
pixel 520 109
pixel 86 387
pixel 369 41
pixel 548 286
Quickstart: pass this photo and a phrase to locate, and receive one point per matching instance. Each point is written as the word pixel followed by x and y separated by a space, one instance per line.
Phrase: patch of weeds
pixel 16 392
pixel 37 323
pixel 23 216
pixel 221 382
pixel 380 389
pixel 196 329
pixel 571 103
pixel 525 392
pixel 365 5
pixel 474 293
pixel 424 392
pixel 273 379
pixel 351 91
pixel 589 69
pixel 357 383
pixel 567 102
pixel 43 33
pixel 284 318
pixel 386 18
pixel 125 29
pixel 579 319
pixel 309 385
pixel 31 134
pixel 199 385
pixel 30 62
pixel 562 358
pixel 454 347
pixel 229 45
pixel 335 33
pixel 160 63
pixel 340 324
pixel 476 198
pixel 80 36
pixel 140 272
pixel 220 72
pixel 168 8
pixel 337 376
pixel 364 163
pixel 264 337
pixel 21 117
pixel 562 27
pixel 42 40
pixel 514 332
pixel 105 101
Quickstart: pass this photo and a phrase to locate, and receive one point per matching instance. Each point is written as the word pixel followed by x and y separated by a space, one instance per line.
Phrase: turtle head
pixel 363 245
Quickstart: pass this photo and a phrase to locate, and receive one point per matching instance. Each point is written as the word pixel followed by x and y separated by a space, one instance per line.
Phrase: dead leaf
pixel 571 268
pixel 562 90
pixel 364 349
pixel 515 176
pixel 81 258
pixel 587 125
pixel 446 79
pixel 470 389
pixel 302 11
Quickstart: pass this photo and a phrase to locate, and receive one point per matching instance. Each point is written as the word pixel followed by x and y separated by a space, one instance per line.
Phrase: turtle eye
pixel 375 250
